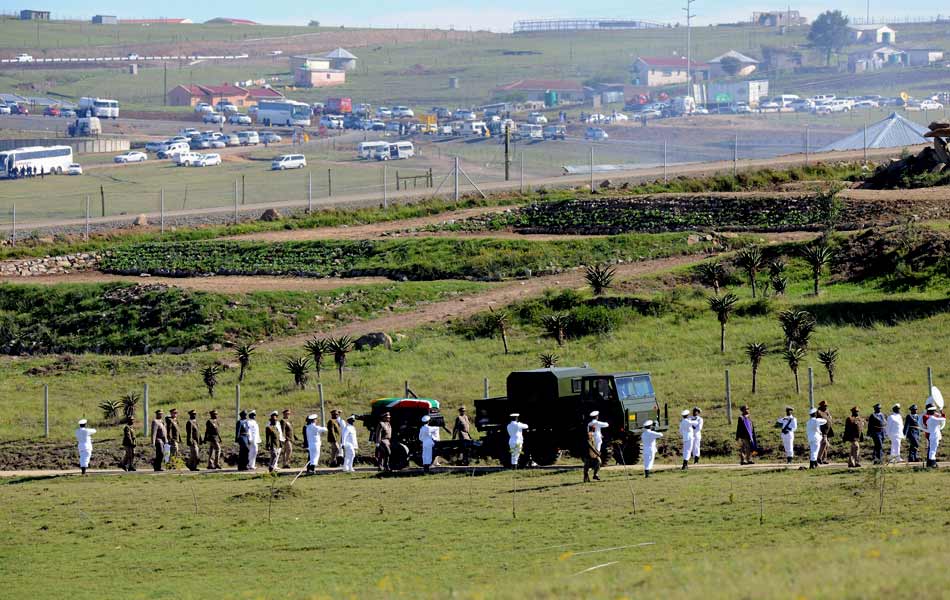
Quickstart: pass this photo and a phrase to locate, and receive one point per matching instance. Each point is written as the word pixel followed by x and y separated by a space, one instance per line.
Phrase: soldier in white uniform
pixel 813 431
pixel 597 425
pixel 515 438
pixel 428 436
pixel 350 444
pixel 697 432
pixel 311 436
pixel 787 425
pixel 935 425
pixel 649 437
pixel 84 440
pixel 254 435
pixel 686 432
pixel 894 430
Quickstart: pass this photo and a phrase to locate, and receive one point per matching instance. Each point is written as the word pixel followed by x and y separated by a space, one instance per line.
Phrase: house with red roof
pixel 536 89
pixel 658 71
pixel 190 95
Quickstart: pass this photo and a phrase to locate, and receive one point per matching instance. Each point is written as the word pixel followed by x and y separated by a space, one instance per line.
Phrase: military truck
pixel 556 403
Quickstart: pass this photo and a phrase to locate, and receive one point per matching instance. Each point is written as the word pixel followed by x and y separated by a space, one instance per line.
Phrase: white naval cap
pixel 273 413
pixel 425 419
pixel 252 412
pixel 896 405
pixel 813 411
pixel 83 421
pixel 312 417
pixel 648 423
pixel 595 413
pixel 685 413
pixel 515 415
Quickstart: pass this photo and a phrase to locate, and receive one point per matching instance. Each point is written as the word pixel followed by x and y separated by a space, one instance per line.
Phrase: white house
pixel 655 71
pixel 872 34
pixel 747 64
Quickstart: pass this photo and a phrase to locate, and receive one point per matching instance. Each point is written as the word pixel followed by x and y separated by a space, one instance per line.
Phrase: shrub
pixel 592 320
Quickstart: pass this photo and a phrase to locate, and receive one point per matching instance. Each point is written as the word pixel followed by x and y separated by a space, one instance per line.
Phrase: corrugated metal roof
pixel 340 53
pixel 893 132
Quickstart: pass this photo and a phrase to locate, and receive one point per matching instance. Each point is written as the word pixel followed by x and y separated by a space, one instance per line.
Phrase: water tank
pixel 550 98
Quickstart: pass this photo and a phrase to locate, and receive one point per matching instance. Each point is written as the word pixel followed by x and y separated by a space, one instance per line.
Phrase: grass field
pixel 541 534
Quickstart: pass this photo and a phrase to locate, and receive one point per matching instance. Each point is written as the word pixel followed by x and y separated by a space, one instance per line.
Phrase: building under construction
pixel 554 25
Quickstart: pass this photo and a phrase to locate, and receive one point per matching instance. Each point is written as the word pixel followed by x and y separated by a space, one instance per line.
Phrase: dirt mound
pixel 880 253
pixel 927 167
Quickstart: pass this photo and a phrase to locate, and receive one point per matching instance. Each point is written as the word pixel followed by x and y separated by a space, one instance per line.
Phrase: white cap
pixel 515 415
pixel 595 413
pixel 312 417
pixel 813 411
pixel 425 419
pixel 685 413
pixel 83 421
pixel 648 423
pixel 896 405
pixel 273 413
pixel 252 412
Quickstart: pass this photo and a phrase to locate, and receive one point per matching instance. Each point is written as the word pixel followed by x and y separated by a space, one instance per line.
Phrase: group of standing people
pixel 26 172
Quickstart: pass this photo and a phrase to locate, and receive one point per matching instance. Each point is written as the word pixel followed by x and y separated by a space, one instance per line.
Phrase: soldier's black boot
pixel 813 464
pixel 685 465
pixel 646 473
pixel 788 460
pixel 83 470
pixel 695 460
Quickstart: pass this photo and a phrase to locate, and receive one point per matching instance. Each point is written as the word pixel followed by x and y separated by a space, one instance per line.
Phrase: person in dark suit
pixel 912 427
pixel 243 439
pixel 745 435
pixel 876 427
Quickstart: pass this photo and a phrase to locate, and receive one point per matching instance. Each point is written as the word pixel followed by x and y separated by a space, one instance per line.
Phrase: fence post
pixel 309 192
pixel 405 393
pixel 46 410
pixel 522 172
pixel 728 399
pixel 930 379
pixel 329 182
pixel 811 388
pixel 591 169
pixel 86 237
pixel 665 178
pixel 806 145
pixel 485 386
pixel 13 229
pixel 145 421
pixel 735 157
pixel 456 178
pixel 162 210
pixel 385 181
pixel 323 406
pixel 237 401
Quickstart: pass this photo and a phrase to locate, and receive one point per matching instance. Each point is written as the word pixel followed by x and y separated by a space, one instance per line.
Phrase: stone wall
pixel 49 265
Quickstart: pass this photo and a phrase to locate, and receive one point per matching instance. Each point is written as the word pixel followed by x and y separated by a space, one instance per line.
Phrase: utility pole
pixel 689 51
pixel 507 149
pixel 164 84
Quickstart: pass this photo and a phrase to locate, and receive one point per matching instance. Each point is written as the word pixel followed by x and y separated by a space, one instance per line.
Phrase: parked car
pixel 19 109
pixel 187 159
pixel 930 105
pixel 23 57
pixel 203 107
pixel 173 149
pixel 189 131
pixel 200 143
pixel 214 118
pixel 866 104
pixel 74 169
pixel 232 139
pixel 379 126
pixel 742 108
pixel 465 115
pixel 618 117
pixel 249 138
pixel 207 160
pixel 219 143
pixel 288 161
pixel 239 119
pixel 132 156
pixel 441 112
pixel 537 118
pixel 595 133
pixel 4 109
pixel 403 111
pixel 554 132
pixel 154 146
pixel 648 113
pixel 226 107
pixel 132 56
pixel 269 137
pixel 67 113
pixel 701 110
pixel 769 106
pixel 51 111
pixel 384 112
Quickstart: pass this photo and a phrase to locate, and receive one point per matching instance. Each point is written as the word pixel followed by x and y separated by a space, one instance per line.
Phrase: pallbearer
pixel 84 440
pixel 350 444
pixel 686 432
pixel 788 425
pixel 213 439
pixel 697 432
pixel 515 438
pixel 895 432
pixel 876 426
pixel 254 435
pixel 311 436
pixel 192 438
pixel 649 437
pixel 935 425
pixel 813 431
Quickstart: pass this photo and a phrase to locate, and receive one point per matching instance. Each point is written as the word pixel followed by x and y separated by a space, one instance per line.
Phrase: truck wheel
pixel 545 455
pixel 399 457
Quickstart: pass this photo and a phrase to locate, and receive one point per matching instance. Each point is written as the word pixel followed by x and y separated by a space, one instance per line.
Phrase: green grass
pixel 414 258
pixel 718 534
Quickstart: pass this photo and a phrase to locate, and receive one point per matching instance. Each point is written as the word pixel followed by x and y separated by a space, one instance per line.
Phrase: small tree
pixel 829 358
pixel 210 377
pixel 600 278
pixel 817 256
pixel 243 354
pixel 794 356
pixel 556 326
pixel 750 260
pixel 756 351
pixel 780 284
pixel 499 321
pixel 712 273
pixel 829 32
pixel 797 325
pixel 129 402
pixel 313 23
pixel 110 409
pixel 723 306
pixel 340 347
pixel 317 348
pixel 730 65
pixel 300 369
pixel 548 360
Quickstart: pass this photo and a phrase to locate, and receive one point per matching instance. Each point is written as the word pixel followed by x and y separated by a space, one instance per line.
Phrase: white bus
pixel 49 159
pixel 396 151
pixel 368 149
pixel 283 112
pixel 98 107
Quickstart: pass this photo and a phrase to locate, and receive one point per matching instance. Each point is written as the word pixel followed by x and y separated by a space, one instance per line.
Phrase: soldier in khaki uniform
pixel 335 438
pixel 193 438
pixel 213 439
pixel 173 432
pixel 272 441
pixel 384 439
pixel 462 431
pixel 289 438
pixel 128 444
pixel 159 439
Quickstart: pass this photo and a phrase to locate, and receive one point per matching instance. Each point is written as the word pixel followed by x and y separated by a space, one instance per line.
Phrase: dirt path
pixel 230 284
pixel 501 294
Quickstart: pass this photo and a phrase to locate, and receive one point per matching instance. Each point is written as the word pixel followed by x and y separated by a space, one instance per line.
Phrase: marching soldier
pixel 84 442
pixel 852 435
pixel 384 437
pixel 254 435
pixel 698 423
pixel 813 429
pixel 428 436
pixel 592 459
pixel 334 437
pixel 788 425
pixel 311 437
pixel 686 432
pixel 935 425
pixel 649 438
pixel 912 427
pixel 515 438
pixel 289 438
pixel 192 438
pixel 273 442
pixel 159 438
pixel 173 432
pixel 242 435
pixel 895 432
pixel 876 426
pixel 462 431
pixel 128 444
pixel 213 439
pixel 350 444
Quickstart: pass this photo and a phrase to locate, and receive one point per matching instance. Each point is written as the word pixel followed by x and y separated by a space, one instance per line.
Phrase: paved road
pixel 369 199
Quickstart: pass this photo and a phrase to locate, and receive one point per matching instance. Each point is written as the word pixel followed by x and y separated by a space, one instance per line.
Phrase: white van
pixel 249 138
pixel 368 150
pixel 170 149
pixel 397 151
pixel 531 131
pixel 785 100
pixel 187 159
pixel 288 161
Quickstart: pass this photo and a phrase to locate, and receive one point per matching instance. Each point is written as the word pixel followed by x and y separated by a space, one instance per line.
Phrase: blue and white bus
pixel 283 112
pixel 49 159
